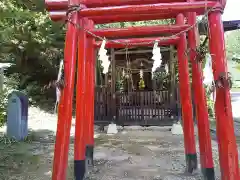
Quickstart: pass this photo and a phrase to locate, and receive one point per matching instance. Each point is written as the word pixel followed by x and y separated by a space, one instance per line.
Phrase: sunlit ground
pixel 130 155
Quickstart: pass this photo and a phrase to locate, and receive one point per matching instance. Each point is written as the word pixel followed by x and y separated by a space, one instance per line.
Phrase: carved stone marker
pixel 17 116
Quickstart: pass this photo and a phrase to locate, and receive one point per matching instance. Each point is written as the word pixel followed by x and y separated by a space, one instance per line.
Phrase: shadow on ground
pixel 28 160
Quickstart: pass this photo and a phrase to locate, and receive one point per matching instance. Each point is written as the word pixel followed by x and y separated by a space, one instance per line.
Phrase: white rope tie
pixel 58 91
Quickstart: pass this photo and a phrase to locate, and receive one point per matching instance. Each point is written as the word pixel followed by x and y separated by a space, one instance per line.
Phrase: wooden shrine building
pixel 123 96
pixel 119 98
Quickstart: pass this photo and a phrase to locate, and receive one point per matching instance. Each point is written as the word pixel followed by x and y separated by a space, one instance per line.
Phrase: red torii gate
pixel 92 12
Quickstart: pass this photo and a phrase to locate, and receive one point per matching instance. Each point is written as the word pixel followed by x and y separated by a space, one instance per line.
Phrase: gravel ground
pixel 145 155
pixel 150 154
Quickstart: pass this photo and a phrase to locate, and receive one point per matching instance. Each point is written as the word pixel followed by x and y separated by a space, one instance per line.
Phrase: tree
pixel 30 40
pixel 233 45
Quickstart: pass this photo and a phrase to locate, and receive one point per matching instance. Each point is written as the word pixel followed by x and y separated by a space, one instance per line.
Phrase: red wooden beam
pixel 63 4
pixel 122 43
pixel 139 31
pixel 223 2
pixel 165 8
pixel 143 16
pixel 61 16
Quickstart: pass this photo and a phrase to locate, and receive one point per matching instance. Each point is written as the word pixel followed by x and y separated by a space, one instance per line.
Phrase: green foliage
pixel 2 108
pixel 162 80
pixel 119 85
pixel 141 84
pixel 233 45
pixel 30 40
pixel 210 103
pixel 35 44
pixel 139 23
pixel 9 85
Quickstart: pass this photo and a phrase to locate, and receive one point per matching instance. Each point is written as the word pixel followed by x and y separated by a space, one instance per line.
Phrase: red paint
pixel 60 161
pixel 164 8
pixel 228 153
pixel 200 98
pixel 63 4
pixel 91 59
pixel 132 10
pixel 81 97
pixel 139 31
pixel 135 42
pixel 87 84
pixel 183 7
pixel 165 14
pixel 57 15
pixel 223 2
pixel 185 93
pixel 60 16
pixel 56 4
pixel 90 74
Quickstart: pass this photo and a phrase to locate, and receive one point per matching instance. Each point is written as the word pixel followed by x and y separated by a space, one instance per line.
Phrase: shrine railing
pixel 134 108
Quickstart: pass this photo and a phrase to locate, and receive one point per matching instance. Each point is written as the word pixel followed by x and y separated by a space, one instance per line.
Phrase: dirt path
pixel 129 155
pixel 133 155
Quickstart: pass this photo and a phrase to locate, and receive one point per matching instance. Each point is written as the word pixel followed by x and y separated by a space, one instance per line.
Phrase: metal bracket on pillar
pixel 71 9
pixel 223 81
pixel 218 9
pixel 74 8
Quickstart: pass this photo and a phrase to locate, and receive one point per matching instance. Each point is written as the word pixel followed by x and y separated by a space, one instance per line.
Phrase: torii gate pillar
pixel 186 102
pixel 60 161
pixel 91 85
pixel 204 136
pixel 228 154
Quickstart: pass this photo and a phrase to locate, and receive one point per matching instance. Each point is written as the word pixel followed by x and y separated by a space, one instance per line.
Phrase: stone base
pixel 79 169
pixel 112 129
pixel 177 129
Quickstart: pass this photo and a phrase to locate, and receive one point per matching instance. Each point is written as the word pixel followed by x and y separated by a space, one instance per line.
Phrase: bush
pixel 210 105
pixel 2 108
pixel 9 85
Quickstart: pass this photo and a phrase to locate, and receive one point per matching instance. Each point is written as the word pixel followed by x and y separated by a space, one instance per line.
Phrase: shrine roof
pixel 231 15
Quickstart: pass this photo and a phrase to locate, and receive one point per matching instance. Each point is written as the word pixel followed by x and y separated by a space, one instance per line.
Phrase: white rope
pixel 166 68
pixel 208 77
pixel 157 57
pixel 207 71
pixel 58 91
pixel 103 57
